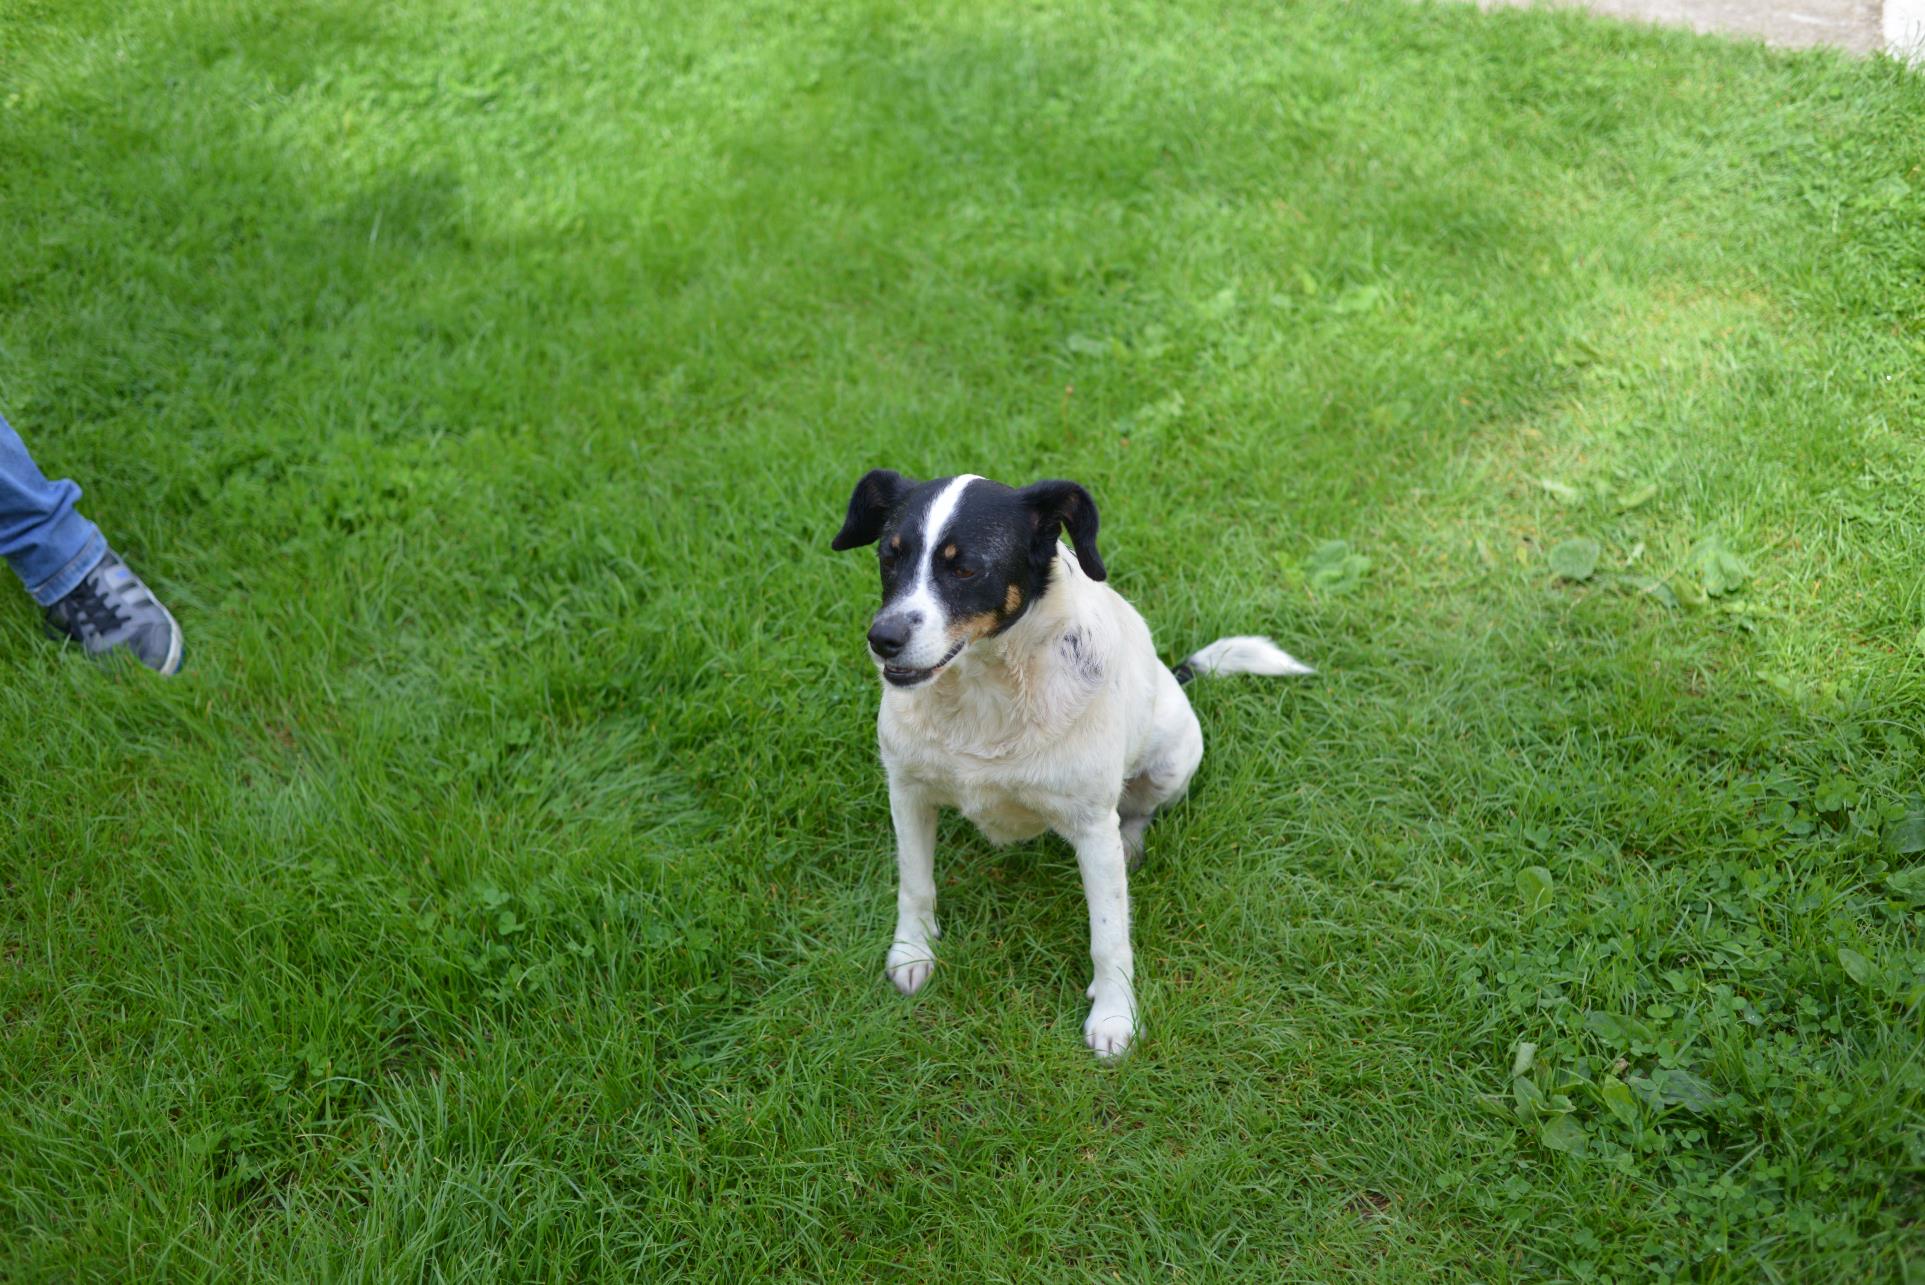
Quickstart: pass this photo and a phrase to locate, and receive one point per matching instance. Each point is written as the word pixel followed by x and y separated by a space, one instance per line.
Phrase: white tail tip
pixel 1246 654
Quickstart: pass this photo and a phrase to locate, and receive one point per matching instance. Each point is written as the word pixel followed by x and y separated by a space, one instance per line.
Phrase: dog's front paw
pixel 911 961
pixel 1111 1024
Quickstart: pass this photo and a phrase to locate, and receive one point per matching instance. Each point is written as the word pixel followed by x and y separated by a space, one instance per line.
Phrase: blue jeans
pixel 50 546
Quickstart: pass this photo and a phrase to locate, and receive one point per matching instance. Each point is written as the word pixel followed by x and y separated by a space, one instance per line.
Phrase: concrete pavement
pixel 1860 26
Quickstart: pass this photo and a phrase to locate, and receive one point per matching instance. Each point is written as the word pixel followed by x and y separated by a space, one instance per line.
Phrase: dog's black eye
pixel 962 572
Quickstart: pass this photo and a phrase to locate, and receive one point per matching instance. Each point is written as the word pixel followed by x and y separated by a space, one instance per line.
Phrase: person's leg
pixel 91 597
pixel 42 537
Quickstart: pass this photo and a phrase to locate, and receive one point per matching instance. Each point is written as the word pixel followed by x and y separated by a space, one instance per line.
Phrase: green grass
pixel 502 891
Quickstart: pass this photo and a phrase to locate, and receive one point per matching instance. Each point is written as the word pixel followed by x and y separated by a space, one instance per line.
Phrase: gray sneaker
pixel 112 608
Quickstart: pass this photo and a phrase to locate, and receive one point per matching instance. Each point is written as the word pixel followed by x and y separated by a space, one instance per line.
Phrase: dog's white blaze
pixel 930 637
pixel 940 511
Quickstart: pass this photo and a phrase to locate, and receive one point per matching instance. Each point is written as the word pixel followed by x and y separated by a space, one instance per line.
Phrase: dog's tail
pixel 1241 654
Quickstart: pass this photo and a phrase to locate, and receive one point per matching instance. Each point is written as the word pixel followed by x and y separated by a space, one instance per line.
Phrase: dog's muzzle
pixel 904 676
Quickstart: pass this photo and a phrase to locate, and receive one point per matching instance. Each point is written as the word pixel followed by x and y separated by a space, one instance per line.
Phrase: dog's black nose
pixel 888 636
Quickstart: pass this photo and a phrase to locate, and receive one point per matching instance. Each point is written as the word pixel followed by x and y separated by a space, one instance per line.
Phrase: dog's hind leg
pixel 1133 828
pixel 1162 780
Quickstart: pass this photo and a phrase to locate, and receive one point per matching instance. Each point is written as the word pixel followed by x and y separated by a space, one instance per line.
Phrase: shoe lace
pixel 98 609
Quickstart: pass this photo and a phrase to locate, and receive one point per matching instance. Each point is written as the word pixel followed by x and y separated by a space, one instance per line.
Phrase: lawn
pixel 501 893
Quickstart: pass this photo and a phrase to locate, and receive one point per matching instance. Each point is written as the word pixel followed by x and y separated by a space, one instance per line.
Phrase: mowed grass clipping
pixel 501 893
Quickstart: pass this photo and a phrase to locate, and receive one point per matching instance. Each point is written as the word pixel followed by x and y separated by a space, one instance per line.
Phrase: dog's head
pixel 962 558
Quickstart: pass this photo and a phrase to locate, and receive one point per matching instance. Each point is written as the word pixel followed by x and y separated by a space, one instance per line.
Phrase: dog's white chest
pixel 1003 793
pixel 1012 789
pixel 1006 810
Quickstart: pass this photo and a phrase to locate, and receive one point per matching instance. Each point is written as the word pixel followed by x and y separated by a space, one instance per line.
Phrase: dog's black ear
pixel 1065 506
pixel 879 491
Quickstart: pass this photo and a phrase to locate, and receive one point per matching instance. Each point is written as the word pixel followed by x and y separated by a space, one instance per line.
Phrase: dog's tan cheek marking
pixel 1012 600
pixel 970 628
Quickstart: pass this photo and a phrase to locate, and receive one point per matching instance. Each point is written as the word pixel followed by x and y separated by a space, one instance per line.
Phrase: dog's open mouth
pixel 903 676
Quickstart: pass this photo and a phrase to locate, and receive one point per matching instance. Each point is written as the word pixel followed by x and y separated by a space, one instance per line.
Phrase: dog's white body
pixel 1066 721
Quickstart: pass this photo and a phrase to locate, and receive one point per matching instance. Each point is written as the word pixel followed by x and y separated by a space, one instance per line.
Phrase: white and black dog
pixel 1025 692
